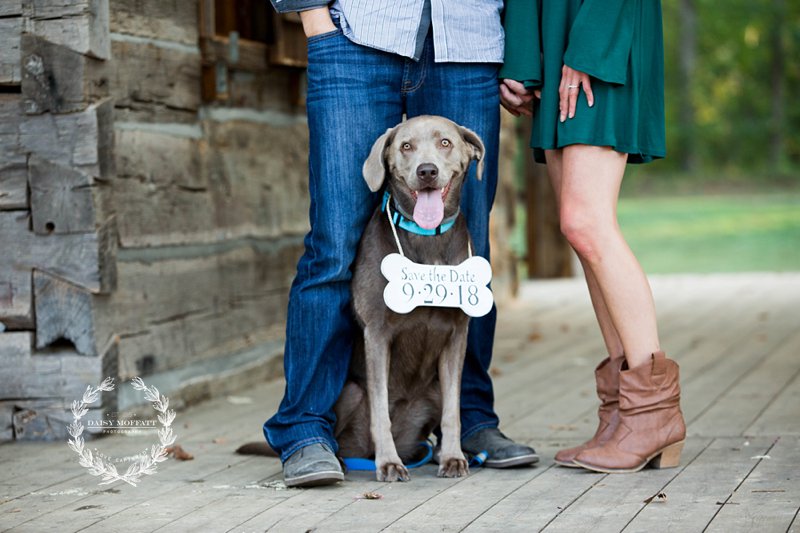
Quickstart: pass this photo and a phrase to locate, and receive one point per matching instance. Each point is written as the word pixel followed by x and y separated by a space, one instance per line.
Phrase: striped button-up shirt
pixel 464 31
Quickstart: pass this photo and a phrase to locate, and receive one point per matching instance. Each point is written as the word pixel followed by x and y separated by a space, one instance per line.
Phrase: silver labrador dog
pixel 405 377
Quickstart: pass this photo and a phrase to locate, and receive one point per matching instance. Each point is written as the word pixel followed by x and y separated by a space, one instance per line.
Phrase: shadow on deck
pixel 736 338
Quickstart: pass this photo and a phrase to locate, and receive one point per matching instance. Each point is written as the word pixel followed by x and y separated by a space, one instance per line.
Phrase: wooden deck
pixel 736 338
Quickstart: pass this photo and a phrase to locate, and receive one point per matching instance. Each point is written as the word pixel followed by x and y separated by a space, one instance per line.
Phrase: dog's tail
pixel 256 448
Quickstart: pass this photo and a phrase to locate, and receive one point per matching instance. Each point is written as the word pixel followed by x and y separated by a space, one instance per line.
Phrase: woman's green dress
pixel 619 43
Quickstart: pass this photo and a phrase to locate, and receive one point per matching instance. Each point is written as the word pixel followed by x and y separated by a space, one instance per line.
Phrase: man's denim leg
pixel 350 103
pixel 468 94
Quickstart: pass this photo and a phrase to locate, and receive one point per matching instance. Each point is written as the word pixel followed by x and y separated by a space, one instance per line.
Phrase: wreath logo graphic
pixel 148 459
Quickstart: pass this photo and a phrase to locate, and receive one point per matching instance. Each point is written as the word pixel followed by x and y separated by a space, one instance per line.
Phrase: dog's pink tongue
pixel 429 211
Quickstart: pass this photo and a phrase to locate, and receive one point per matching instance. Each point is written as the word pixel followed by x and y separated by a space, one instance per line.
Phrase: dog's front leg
pixel 388 466
pixel 451 363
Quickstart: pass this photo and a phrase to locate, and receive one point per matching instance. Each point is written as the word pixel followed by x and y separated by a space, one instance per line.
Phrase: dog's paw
pixel 392 472
pixel 453 467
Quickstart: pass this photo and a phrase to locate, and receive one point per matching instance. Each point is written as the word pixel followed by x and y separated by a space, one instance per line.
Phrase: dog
pixel 405 373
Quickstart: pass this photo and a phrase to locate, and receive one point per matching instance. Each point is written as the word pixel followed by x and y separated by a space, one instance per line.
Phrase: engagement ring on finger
pixel 572 86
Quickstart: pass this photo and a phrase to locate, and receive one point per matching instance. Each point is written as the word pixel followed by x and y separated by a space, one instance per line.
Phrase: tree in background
pixel 728 65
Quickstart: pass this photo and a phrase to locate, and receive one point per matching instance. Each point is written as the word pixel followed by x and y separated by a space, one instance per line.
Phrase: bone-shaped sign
pixel 412 284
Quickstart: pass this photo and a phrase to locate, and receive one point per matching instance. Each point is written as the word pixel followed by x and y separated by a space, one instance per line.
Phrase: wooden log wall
pixel 57 244
pixel 142 233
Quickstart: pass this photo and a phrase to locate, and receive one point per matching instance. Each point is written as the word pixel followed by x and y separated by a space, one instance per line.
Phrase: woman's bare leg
pixel 607 329
pixel 590 181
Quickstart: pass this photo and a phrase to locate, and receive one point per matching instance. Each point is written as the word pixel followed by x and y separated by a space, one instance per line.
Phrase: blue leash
pixel 368 465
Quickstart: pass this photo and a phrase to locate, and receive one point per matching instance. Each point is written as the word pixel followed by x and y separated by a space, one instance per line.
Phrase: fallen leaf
pixel 179 453
pixel 533 337
pixel 220 440
pixel 659 498
pixel 370 496
pixel 87 507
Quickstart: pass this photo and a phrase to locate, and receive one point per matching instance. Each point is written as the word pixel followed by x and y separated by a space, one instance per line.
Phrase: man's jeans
pixel 355 94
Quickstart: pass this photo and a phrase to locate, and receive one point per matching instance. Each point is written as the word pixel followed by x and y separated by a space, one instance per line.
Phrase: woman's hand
pixel 571 82
pixel 515 98
pixel 317 21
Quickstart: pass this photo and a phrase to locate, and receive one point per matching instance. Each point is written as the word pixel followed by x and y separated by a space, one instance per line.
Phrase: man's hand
pixel 317 21
pixel 515 98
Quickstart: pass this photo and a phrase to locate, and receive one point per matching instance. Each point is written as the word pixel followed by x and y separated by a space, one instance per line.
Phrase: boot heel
pixel 670 457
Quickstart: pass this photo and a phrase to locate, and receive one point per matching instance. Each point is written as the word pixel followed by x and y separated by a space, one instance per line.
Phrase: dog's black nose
pixel 427 172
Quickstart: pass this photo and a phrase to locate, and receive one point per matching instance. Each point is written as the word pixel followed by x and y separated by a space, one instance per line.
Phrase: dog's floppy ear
pixel 374 170
pixel 476 148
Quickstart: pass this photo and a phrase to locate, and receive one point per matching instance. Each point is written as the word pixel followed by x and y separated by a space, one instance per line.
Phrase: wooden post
pixel 549 254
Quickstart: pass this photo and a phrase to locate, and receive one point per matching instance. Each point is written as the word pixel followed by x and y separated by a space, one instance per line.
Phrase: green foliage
pixel 732 88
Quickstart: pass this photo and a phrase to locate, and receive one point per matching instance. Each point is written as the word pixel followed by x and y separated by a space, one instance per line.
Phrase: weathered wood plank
pixel 58 79
pixel 45 413
pixel 782 416
pixel 144 73
pixel 59 503
pixel 13 187
pixel 770 496
pixel 241 488
pixel 78 258
pixel 469 497
pixel 243 179
pixel 156 19
pixel 10 8
pixel 272 89
pixel 753 393
pixel 10 31
pixel 694 497
pixel 63 311
pixel 740 361
pixel 628 494
pixel 62 199
pixel 82 140
pixel 81 25
pixel 43 384
pixel 11 112
pixel 174 311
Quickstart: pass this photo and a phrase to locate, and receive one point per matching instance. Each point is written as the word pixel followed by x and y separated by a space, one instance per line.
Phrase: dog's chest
pixel 417 348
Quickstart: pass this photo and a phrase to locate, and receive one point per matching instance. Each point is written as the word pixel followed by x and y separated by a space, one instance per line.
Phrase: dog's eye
pixel 406 147
pixel 445 143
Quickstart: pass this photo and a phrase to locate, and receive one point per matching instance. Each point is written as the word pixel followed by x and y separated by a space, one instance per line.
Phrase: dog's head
pixel 425 159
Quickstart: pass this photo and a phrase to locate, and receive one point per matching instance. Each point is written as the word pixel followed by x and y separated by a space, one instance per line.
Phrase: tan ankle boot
pixel 651 427
pixel 607 377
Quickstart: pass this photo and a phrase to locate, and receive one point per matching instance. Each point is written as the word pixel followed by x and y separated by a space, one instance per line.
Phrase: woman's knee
pixel 584 233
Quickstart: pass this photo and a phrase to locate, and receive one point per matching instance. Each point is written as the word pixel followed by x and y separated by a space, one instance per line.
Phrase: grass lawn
pixel 714 233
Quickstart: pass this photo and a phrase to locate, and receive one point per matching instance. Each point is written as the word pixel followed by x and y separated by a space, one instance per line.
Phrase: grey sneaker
pixel 312 466
pixel 502 452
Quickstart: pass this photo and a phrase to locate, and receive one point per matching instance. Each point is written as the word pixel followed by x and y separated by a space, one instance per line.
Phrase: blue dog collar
pixel 411 226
